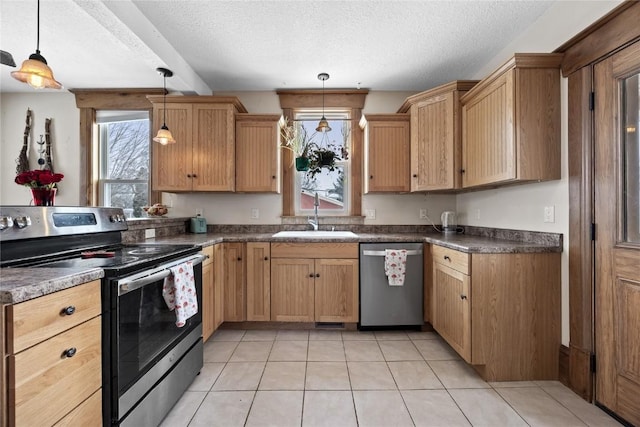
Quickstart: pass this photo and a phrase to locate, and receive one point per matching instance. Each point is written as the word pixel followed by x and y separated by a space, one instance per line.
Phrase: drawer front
pixel 45 385
pixel 88 414
pixel 36 320
pixel 314 250
pixel 208 251
pixel 456 260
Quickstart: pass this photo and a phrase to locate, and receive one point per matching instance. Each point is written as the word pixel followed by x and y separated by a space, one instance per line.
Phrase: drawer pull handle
pixel 69 310
pixel 70 352
pixel 447 258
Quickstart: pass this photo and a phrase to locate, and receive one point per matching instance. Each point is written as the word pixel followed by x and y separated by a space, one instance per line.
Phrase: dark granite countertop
pixel 22 284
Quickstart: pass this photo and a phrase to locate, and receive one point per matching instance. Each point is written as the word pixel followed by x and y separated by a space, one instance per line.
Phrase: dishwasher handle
pixel 383 253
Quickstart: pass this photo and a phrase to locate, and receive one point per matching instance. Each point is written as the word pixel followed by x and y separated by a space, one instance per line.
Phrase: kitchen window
pixel 332 186
pixel 124 160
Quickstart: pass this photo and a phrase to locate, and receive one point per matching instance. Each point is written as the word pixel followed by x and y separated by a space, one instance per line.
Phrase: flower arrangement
pixel 297 139
pixel 44 179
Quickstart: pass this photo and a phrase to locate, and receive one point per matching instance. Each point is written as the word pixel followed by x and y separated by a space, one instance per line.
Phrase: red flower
pixel 38 178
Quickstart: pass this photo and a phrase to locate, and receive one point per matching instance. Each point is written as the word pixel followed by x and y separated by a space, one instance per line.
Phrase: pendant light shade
pixel 35 71
pixel 323 125
pixel 164 136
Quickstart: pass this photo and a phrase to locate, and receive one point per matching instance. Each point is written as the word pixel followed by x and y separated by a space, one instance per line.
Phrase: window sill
pixel 326 220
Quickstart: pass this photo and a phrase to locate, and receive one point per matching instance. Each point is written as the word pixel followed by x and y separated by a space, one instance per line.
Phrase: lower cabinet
pixel 500 312
pixel 53 361
pixel 314 282
pixel 258 281
pixel 233 275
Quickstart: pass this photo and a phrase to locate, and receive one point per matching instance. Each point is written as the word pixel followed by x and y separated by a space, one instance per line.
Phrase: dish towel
pixel 395 263
pixel 179 292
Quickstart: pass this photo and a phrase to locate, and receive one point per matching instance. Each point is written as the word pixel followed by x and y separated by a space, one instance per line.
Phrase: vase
pixel 43 196
pixel 302 164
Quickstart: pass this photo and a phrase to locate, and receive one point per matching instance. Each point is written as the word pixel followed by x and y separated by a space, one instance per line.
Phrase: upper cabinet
pixel 436 154
pixel 257 153
pixel 511 123
pixel 203 157
pixel 386 139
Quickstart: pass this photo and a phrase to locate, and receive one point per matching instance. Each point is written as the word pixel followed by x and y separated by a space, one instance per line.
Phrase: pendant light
pixel 164 136
pixel 323 125
pixel 35 71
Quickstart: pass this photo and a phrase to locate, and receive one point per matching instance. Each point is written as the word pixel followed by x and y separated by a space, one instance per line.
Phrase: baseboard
pixel 580 375
pixel 563 365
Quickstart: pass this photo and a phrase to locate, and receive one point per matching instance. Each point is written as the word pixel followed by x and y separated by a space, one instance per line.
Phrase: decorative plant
pixel 297 139
pixel 44 179
pixel 322 157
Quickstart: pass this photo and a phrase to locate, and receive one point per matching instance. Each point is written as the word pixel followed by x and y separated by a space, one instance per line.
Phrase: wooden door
pixel 208 304
pixel 336 290
pixel 218 285
pixel 234 282
pixel 257 160
pixel 452 308
pixel 387 153
pixel 213 147
pixel 172 167
pixel 292 290
pixel 617 244
pixel 435 159
pixel 488 138
pixel 258 281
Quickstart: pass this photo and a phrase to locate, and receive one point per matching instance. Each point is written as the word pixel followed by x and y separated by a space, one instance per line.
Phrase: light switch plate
pixel 423 213
pixel 255 213
pixel 549 214
pixel 370 213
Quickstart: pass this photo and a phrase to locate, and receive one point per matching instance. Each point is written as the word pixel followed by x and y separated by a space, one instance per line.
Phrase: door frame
pixel 611 33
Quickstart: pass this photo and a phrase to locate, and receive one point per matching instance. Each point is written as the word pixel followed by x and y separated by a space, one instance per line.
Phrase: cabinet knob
pixel 239 259
pixel 317 274
pixel 68 310
pixel 194 175
pixel 266 258
pixel 311 275
pixel 415 175
pixel 370 176
pixel 273 177
pixel 447 258
pixel 463 297
pixel 70 352
pixel 188 175
pixel 462 171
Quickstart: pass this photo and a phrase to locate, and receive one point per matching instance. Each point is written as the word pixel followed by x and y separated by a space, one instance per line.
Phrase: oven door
pixel 145 341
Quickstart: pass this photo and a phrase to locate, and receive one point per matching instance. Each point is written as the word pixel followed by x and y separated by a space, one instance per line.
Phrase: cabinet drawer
pixel 314 250
pixel 456 260
pixel 45 385
pixel 208 251
pixel 88 414
pixel 33 321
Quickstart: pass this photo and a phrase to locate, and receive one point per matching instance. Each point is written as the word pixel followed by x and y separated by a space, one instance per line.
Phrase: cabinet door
pixel 172 166
pixel 208 304
pixel 435 155
pixel 452 308
pixel 234 283
pixel 387 155
pixel 258 281
pixel 488 140
pixel 257 155
pixel 218 285
pixel 292 290
pixel 213 147
pixel 336 290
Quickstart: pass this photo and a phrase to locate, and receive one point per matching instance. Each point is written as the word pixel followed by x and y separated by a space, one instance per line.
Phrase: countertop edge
pixel 43 281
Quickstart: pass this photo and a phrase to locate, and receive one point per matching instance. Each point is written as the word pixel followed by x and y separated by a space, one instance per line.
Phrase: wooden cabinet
pixel 436 137
pixel 387 156
pixel 203 157
pixel 257 153
pixel 314 282
pixel 235 290
pixel 500 312
pixel 208 294
pixel 54 364
pixel 258 281
pixel 511 123
pixel 218 285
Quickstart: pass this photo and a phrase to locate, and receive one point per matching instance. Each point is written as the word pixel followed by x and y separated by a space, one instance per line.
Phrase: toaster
pixel 198 225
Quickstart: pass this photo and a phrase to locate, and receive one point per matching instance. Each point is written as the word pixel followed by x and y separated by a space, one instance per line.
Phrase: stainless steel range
pixel 148 362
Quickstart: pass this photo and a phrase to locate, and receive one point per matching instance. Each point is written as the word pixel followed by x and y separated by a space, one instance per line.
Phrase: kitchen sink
pixel 311 234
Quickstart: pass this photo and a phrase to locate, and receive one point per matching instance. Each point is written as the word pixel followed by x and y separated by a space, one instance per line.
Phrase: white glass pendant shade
pixel 164 136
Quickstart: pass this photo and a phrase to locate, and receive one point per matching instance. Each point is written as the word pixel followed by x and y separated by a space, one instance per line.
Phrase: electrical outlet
pixel 199 212
pixel 255 213
pixel 149 233
pixel 549 214
pixel 423 213
pixel 370 213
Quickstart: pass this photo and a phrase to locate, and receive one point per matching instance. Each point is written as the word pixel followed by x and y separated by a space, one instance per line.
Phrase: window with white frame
pixel 124 160
pixel 331 184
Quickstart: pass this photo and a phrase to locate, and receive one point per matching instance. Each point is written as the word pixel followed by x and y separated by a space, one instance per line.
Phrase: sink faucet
pixel 314 221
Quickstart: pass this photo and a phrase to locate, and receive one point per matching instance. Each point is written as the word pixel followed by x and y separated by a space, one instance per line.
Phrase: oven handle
pixel 127 286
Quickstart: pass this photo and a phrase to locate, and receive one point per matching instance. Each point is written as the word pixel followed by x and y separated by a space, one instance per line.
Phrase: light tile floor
pixel 335 379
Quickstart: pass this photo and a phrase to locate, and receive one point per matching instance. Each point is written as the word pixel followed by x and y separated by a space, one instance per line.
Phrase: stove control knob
pixel 113 218
pixel 6 222
pixel 121 218
pixel 22 221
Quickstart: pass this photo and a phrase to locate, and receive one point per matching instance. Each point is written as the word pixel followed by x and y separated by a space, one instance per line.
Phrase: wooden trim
pixel 357 163
pixel 462 85
pixel 288 171
pixel 580 376
pixel 159 99
pixel 246 117
pixel 333 98
pixel 614 30
pixel 563 365
pixel 314 250
pixel 115 99
pixel 88 167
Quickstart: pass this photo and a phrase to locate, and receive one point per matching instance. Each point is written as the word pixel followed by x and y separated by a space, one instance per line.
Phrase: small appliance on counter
pixel 198 225
pixel 449 223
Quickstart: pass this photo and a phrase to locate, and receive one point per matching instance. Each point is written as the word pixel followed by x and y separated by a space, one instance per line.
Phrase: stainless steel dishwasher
pixel 382 305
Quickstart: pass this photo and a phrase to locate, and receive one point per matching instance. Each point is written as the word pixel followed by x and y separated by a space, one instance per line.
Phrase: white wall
pixel 521 207
pixel 65 137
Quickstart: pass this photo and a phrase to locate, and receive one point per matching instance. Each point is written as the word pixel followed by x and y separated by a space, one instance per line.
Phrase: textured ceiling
pixel 261 45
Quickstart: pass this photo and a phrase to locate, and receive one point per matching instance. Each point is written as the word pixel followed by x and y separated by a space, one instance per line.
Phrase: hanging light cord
pixel 38 31
pixel 164 103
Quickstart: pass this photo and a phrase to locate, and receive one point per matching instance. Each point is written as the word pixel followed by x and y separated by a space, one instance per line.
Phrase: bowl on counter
pixel 157 210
